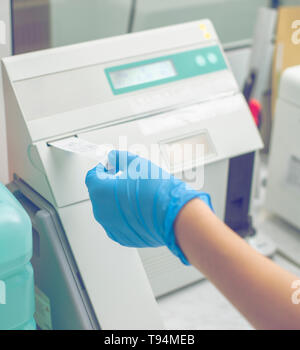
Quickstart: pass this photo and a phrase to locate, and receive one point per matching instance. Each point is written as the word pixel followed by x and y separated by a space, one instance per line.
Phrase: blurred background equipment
pixel 233 19
pixel 50 23
pixel 287 47
pixel 30 25
pixel 74 21
pixel 257 88
pixel 283 194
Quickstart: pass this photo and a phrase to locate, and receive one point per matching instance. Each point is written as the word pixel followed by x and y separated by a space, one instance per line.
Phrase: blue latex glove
pixel 134 209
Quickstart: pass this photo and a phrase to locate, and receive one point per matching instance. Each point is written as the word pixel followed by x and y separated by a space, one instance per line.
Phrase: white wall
pixel 5 50
pixel 74 21
pixel 233 19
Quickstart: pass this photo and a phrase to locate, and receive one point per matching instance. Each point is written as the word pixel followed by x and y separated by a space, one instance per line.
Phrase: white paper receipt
pixel 84 148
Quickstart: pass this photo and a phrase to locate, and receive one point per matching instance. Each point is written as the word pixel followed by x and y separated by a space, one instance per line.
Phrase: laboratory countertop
pixel 201 306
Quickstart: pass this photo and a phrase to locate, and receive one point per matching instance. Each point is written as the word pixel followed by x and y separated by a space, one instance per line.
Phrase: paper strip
pixel 84 148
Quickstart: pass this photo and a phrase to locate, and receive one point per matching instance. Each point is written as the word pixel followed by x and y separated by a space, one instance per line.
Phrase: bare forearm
pixel 257 287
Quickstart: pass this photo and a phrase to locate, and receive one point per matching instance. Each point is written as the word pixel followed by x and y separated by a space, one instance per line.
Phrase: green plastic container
pixel 17 303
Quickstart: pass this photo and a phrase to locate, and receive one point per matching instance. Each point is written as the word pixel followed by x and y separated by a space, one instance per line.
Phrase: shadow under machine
pixel 163 86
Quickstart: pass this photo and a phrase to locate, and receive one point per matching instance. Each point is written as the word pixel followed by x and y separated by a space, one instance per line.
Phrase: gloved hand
pixel 135 208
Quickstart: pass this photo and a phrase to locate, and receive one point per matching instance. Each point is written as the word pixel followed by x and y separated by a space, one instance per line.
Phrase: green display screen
pixel 165 69
pixel 142 74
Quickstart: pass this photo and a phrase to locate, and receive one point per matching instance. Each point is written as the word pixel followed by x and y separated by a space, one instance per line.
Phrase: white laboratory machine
pixel 283 190
pixel 160 87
